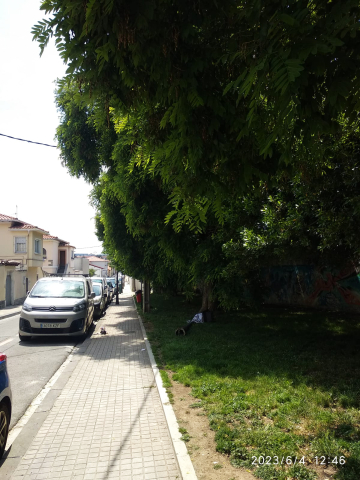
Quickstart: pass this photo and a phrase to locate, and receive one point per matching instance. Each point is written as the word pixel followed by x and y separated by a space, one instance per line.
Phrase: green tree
pixel 91 272
pixel 227 93
pixel 312 216
pixel 300 217
pixel 132 203
pixel 224 120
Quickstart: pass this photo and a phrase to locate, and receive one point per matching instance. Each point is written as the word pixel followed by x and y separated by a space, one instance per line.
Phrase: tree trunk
pixel 146 298
pixel 207 300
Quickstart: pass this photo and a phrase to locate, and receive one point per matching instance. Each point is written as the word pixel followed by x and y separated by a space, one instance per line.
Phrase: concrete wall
pixel 33 275
pixel 99 264
pixel 307 285
pixel 71 261
pixel 18 285
pixel 2 286
pixel 52 256
pixel 81 265
pixel 134 284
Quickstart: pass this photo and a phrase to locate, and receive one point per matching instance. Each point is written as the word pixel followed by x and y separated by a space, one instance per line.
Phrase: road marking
pixel 6 341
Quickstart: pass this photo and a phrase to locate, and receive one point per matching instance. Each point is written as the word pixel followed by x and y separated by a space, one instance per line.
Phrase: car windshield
pixel 97 289
pixel 96 280
pixel 59 289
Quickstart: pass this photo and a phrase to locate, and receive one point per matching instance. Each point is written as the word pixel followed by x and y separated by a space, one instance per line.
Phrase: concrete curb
pixel 185 464
pixel 10 314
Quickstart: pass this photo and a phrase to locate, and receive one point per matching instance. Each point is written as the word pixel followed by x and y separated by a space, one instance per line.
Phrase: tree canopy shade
pixel 228 92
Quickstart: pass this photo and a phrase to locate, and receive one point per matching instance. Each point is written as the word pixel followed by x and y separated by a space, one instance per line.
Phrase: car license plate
pixel 49 325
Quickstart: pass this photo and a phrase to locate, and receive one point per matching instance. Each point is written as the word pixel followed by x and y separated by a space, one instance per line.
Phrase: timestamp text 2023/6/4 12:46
pixel 321 460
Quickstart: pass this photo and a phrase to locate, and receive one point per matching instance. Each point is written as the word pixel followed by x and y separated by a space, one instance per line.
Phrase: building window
pixel 20 244
pixel 72 254
pixel 50 263
pixel 37 246
pixel 44 254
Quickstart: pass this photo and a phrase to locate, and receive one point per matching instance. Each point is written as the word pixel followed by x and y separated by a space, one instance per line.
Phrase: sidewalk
pixel 10 311
pixel 108 421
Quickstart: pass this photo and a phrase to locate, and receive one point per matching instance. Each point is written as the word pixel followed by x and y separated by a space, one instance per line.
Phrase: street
pixel 30 365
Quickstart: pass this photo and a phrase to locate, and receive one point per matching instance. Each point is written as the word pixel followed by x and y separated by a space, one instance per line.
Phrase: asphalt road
pixel 30 364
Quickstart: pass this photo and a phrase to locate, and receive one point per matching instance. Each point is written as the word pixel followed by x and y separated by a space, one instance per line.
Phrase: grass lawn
pixel 277 385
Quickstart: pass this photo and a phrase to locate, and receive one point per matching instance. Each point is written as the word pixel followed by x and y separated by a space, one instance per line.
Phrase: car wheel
pixel 24 338
pixel 4 427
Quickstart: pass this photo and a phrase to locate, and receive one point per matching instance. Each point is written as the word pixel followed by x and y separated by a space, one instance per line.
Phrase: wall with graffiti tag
pixel 313 286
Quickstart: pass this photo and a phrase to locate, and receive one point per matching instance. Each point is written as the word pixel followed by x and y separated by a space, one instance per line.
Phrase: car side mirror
pixel 28 293
pixel 92 294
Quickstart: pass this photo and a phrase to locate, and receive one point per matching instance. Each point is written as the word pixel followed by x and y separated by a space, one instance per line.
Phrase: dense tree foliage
pixel 218 137
pixel 228 92
pixel 309 216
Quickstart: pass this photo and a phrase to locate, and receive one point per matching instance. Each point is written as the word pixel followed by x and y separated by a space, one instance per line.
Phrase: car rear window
pixel 59 289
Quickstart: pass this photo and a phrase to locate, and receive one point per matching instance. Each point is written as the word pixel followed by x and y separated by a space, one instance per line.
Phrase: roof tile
pixel 23 226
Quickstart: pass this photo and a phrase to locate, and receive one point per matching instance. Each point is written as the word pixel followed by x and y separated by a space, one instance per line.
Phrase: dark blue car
pixel 5 403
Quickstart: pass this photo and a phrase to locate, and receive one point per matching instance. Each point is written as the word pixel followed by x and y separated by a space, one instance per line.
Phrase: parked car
pixel 61 306
pixel 102 281
pixel 99 300
pixel 111 290
pixel 5 403
pixel 113 282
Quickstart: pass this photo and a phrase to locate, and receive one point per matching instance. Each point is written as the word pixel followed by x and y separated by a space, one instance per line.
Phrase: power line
pixel 29 141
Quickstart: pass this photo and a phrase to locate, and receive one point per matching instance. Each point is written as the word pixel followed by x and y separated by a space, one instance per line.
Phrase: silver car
pixel 102 281
pixel 110 290
pixel 99 300
pixel 61 306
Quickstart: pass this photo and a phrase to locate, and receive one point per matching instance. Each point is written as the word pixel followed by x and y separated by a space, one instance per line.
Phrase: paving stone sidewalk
pixel 108 422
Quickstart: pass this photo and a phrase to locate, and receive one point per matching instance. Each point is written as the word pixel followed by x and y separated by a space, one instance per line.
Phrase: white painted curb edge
pixel 183 458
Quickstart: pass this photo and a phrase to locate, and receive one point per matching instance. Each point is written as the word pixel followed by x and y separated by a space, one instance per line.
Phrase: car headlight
pixel 27 307
pixel 79 307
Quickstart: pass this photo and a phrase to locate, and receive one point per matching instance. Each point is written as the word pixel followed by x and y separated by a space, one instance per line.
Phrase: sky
pixel 33 182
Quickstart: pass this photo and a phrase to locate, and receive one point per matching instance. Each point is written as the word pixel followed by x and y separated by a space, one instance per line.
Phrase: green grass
pixel 273 382
pixel 185 437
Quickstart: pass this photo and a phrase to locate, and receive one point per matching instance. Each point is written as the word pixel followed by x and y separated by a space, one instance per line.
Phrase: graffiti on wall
pixel 313 286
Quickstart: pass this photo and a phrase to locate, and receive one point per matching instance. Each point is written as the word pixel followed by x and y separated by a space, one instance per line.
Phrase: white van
pixel 61 306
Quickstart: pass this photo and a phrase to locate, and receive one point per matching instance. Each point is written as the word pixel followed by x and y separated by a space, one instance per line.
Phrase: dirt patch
pixel 208 463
